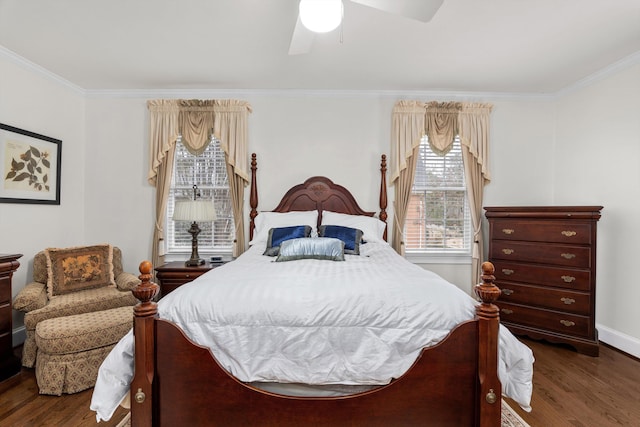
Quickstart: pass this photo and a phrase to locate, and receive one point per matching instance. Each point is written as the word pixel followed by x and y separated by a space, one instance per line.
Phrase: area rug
pixel 509 418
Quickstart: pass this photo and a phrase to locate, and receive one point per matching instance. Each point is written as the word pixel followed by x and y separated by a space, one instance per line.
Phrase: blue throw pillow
pixel 323 248
pixel 281 234
pixel 352 237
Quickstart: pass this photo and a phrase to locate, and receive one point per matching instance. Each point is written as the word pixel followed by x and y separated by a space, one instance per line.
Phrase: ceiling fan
pixel 302 39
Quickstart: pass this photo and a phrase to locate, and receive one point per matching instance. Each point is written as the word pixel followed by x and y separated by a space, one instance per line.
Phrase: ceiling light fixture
pixel 321 16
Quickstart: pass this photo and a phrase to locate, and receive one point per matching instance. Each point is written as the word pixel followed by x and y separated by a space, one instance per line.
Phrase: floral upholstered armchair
pixel 72 281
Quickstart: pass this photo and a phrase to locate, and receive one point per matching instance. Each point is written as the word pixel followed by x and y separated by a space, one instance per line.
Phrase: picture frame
pixel 30 167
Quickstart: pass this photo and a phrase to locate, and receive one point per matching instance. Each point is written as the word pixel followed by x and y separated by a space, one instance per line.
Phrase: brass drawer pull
pixel 507 292
pixel 569 233
pixel 568 256
pixel 187 275
pixel 508 251
pixel 568 279
pixel 491 397
pixel 140 396
pixel 567 301
pixel 507 271
pixel 508 230
pixel 567 322
pixel 506 311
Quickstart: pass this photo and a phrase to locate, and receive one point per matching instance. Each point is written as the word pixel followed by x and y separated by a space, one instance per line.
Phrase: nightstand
pixel 175 274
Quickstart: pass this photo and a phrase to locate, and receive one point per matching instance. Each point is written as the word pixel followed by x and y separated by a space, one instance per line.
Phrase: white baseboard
pixel 619 340
pixel 18 336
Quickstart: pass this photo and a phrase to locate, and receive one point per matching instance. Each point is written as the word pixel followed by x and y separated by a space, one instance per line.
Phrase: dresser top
pixel 9 257
pixel 565 212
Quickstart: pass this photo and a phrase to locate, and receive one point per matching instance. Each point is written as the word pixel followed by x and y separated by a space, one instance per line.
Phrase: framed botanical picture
pixel 29 167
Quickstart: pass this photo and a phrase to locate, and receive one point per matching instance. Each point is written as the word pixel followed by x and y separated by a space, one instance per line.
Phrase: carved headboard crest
pixel 318 193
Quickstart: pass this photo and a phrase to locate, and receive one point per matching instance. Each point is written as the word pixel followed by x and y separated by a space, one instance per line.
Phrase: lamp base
pixel 195 259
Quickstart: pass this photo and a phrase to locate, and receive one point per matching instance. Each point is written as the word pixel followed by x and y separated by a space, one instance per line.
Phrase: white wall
pixel 543 151
pixel 521 163
pixel 597 163
pixel 30 100
pixel 120 204
pixel 295 136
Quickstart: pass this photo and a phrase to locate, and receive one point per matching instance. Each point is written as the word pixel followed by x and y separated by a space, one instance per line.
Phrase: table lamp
pixel 194 211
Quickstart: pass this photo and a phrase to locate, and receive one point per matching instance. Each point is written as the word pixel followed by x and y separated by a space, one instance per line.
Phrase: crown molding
pixel 607 71
pixel 37 69
pixel 301 93
pixel 622 64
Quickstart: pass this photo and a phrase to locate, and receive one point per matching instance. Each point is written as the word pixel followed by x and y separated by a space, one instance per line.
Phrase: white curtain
pixel 407 129
pixel 195 121
pixel 231 127
pixel 163 133
pixel 441 121
pixel 473 130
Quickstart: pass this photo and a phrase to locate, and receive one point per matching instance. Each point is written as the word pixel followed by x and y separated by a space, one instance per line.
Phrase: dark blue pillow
pixel 279 235
pixel 352 237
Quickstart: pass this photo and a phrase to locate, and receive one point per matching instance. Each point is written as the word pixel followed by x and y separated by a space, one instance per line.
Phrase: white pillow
pixel 372 228
pixel 268 220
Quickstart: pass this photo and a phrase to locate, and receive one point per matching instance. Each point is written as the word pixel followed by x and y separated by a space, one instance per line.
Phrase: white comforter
pixel 361 321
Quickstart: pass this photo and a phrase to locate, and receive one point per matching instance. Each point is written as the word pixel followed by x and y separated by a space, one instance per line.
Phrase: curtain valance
pixel 441 125
pixel 195 121
pixel 441 122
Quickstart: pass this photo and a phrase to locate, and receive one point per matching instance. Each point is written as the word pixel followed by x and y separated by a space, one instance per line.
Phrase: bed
pixel 368 340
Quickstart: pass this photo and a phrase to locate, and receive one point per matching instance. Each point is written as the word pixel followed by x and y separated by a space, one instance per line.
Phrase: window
pixel 438 218
pixel 209 172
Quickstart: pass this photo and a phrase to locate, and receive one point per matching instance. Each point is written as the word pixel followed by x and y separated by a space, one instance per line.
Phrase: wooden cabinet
pixel 174 274
pixel 545 260
pixel 9 363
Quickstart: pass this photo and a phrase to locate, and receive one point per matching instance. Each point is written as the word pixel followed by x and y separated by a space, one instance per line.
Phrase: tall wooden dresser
pixel 9 363
pixel 545 260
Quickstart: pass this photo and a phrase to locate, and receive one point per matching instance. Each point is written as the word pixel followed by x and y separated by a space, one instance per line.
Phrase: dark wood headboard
pixel 318 193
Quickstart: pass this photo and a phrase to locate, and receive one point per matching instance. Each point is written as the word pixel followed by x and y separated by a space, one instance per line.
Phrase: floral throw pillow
pixel 75 269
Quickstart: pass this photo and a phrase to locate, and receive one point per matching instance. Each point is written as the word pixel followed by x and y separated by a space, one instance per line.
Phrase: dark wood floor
pixel 570 389
pixel 22 406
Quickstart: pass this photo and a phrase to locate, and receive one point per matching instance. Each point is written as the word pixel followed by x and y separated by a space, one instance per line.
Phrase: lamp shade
pixel 321 16
pixel 194 210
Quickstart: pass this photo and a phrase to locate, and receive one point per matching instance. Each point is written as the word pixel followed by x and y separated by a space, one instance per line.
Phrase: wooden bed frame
pixel 178 382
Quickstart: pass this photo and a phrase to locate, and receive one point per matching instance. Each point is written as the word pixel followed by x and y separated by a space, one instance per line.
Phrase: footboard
pixel 178 382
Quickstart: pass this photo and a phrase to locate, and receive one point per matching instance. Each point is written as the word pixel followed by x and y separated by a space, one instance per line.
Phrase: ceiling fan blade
pixel 301 40
pixel 421 10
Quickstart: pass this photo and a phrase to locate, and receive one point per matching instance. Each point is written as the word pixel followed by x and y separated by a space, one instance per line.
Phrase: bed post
pixel 253 197
pixel 145 312
pixel 490 389
pixel 383 192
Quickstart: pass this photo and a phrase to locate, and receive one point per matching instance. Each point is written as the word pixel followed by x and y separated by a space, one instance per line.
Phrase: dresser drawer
pixel 179 277
pixel 5 318
pixel 542 253
pixel 5 345
pixel 175 274
pixel 542 231
pixel 5 291
pixel 543 275
pixel 554 299
pixel 564 323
